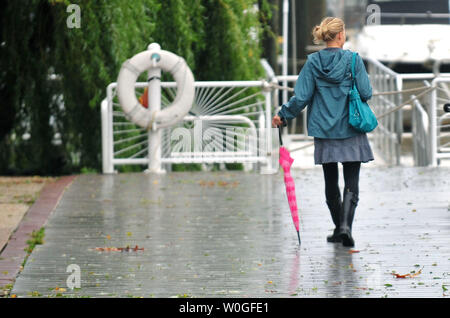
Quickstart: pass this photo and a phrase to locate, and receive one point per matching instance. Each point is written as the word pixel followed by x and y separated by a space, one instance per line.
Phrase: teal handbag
pixel 361 116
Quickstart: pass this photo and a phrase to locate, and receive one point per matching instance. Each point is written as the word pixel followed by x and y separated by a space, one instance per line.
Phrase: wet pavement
pixel 230 234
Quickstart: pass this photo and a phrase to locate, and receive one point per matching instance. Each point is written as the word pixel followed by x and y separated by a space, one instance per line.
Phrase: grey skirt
pixel 355 148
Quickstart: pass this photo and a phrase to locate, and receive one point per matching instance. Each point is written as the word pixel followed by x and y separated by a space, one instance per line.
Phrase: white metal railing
pixel 387 102
pixel 303 135
pixel 247 105
pixel 439 120
pixel 229 122
pixel 420 124
pixel 387 136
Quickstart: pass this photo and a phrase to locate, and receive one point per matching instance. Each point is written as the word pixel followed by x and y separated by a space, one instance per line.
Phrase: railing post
pixel 268 147
pixel 399 118
pixel 154 105
pixel 417 155
pixel 109 130
pixel 107 166
pixel 433 128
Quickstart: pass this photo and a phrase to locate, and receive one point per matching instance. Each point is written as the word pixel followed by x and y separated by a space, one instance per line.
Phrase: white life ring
pixel 168 62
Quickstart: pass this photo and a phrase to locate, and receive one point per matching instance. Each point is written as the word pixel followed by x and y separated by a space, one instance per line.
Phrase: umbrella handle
pixel 279 131
pixel 279 135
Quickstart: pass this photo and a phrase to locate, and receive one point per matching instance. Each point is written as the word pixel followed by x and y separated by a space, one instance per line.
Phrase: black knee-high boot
pixel 335 207
pixel 348 212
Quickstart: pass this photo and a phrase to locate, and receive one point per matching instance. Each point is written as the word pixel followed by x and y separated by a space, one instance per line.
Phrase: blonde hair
pixel 327 29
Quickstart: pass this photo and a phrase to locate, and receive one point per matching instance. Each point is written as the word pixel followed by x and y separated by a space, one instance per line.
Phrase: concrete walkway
pixel 231 235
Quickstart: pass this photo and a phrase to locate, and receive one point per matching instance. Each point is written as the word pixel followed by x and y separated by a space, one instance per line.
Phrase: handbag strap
pixel 353 67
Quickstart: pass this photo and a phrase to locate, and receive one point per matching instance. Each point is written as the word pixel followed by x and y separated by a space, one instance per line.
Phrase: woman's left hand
pixel 276 121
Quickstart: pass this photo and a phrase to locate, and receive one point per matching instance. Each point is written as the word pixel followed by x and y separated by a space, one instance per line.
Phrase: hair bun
pixel 327 29
pixel 317 33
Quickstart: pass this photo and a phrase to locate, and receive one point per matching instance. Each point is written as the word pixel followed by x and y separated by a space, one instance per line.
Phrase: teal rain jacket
pixel 323 85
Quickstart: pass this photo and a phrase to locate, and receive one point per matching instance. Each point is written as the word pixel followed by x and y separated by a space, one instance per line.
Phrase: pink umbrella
pixel 286 163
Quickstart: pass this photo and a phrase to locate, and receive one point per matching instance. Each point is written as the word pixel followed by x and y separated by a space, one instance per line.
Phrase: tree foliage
pixel 53 78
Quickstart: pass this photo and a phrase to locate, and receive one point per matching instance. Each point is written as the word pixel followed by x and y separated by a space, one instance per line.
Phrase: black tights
pixel 331 175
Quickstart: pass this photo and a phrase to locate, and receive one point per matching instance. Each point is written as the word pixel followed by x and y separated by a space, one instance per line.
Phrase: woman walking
pixel 323 86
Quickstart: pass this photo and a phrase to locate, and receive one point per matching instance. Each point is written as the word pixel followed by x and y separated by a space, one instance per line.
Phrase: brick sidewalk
pixel 13 254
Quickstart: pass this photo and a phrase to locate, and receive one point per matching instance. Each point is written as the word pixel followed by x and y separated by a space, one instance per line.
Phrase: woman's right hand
pixel 276 121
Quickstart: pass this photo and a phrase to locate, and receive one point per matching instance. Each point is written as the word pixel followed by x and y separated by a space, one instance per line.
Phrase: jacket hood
pixel 331 64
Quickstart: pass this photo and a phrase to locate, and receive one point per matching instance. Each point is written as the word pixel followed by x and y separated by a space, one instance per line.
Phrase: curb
pixel 13 254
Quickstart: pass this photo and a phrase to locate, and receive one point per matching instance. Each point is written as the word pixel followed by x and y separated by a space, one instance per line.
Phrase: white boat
pixel 413 43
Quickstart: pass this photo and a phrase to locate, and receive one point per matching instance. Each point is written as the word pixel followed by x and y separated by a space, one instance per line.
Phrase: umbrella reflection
pixel 295 268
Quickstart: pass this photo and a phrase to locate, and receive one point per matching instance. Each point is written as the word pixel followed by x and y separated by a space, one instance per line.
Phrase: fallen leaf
pixel 408 275
pixel 400 276
pixel 418 273
pixel 119 249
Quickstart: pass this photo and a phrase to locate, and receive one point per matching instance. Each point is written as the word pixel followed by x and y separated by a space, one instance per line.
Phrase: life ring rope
pixel 151 121
pixel 153 77
pixel 177 66
pixel 131 67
